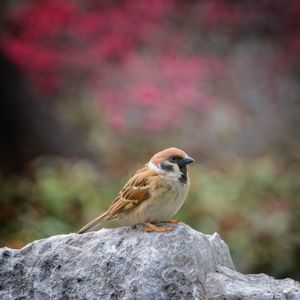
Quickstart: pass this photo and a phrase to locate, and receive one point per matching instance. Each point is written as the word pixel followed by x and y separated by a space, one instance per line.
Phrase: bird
pixel 152 195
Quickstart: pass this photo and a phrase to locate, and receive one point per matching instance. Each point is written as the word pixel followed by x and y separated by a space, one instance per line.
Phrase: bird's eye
pixel 173 158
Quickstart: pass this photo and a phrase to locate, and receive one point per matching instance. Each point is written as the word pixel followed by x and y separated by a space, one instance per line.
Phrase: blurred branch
pixel 29 126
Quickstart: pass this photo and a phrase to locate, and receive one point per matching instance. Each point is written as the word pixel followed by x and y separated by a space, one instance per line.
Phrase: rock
pixel 127 263
pixel 228 284
pixel 119 263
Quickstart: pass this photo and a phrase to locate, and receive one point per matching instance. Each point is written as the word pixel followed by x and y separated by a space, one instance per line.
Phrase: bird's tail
pixel 95 223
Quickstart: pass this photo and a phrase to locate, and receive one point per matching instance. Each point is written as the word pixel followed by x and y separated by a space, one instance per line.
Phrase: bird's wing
pixel 135 191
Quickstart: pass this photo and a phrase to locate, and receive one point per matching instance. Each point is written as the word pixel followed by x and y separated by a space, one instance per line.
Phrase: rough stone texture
pixel 127 263
pixel 228 284
pixel 120 263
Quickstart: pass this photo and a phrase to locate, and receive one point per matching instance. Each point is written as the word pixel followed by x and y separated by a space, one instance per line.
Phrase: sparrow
pixel 153 195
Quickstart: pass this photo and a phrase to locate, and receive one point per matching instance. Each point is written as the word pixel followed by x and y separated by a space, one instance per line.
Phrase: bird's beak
pixel 186 160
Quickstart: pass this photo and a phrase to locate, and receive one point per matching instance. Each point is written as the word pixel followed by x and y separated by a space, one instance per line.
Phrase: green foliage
pixel 254 206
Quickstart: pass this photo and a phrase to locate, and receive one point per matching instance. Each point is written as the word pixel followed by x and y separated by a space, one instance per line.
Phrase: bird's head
pixel 171 161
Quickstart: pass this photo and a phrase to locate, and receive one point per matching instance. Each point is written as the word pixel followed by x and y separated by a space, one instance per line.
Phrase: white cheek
pixel 153 167
pixel 176 173
pixel 176 170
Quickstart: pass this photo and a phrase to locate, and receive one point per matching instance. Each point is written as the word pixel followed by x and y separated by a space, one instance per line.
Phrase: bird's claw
pixel 173 222
pixel 149 227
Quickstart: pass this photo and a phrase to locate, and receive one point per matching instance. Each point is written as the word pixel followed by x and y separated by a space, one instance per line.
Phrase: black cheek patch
pixel 167 167
pixel 183 177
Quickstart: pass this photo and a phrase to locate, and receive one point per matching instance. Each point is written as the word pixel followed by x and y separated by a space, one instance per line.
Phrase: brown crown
pixel 165 154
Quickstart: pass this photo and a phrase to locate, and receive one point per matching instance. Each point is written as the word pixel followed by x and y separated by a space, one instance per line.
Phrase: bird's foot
pixel 173 222
pixel 149 227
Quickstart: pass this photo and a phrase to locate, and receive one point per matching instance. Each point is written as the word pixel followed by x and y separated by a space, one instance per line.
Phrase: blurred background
pixel 90 90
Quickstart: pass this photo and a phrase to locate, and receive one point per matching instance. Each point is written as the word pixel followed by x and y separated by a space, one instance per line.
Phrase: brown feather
pixel 165 154
pixel 97 221
pixel 147 185
pixel 135 191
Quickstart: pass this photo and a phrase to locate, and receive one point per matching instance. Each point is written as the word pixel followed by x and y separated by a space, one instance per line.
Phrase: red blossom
pixel 160 89
pixel 143 59
pixel 56 36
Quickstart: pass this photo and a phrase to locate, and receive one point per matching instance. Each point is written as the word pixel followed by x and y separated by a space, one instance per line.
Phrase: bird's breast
pixel 163 203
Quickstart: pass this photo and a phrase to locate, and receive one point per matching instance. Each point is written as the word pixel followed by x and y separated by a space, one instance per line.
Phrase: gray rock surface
pixel 127 263
pixel 120 263
pixel 232 285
